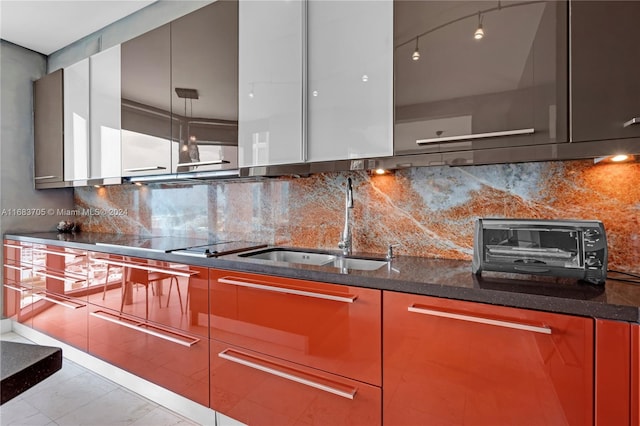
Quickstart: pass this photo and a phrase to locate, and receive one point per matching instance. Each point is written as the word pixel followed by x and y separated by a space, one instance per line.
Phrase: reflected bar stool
pixel 148 279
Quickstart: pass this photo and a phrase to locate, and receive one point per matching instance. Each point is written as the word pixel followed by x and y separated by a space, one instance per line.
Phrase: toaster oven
pixel 563 248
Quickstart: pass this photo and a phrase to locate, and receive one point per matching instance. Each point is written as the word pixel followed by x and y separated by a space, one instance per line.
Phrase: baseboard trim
pixel 177 403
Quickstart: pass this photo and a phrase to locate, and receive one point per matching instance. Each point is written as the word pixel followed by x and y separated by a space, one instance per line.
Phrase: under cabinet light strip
pixel 346 299
pixel 349 395
pixel 480 320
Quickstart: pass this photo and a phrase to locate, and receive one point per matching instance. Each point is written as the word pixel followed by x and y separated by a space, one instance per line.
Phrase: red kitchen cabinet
pixel 635 374
pixel 261 390
pixel 166 293
pixel 613 373
pixel 451 362
pixel 330 327
pixel 17 281
pixel 168 357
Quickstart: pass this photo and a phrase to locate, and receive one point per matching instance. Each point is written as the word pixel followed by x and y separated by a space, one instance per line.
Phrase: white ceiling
pixel 49 25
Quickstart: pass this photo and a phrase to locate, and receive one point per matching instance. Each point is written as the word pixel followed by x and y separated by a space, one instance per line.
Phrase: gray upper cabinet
pixel 605 70
pixel 204 89
pixel 48 131
pixel 457 91
pixel 146 103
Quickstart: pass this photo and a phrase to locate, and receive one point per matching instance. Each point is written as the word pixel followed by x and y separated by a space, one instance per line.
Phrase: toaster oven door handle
pixel 480 320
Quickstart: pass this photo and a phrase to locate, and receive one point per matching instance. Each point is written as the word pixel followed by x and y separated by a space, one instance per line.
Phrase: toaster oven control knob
pixel 591 235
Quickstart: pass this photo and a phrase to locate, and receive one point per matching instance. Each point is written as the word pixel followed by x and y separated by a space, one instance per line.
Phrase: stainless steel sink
pixel 316 258
pixel 292 256
pixel 358 263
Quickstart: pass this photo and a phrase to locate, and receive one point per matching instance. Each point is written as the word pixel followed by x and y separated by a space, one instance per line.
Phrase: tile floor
pixel 77 396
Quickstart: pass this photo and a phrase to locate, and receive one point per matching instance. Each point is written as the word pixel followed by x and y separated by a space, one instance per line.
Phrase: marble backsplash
pixel 429 211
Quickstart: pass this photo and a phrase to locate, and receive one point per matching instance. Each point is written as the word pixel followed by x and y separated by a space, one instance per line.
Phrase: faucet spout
pixel 345 241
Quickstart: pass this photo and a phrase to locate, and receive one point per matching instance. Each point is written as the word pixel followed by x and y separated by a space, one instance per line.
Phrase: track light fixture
pixel 479 34
pixel 416 52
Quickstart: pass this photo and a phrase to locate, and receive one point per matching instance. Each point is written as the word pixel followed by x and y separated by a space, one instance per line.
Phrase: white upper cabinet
pixel 270 80
pixel 76 121
pixel 315 81
pixel 350 79
pixel 105 114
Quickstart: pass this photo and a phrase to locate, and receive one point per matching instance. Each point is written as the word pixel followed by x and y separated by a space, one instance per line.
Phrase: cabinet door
pixel 166 293
pixel 258 389
pixel 173 359
pixel 635 374
pixel 48 128
pixel 271 43
pixel 76 121
pixel 146 103
pixel 326 326
pixel 454 92
pixel 204 88
pixel 350 73
pixel 452 362
pixel 105 114
pixel 613 372
pixel 605 64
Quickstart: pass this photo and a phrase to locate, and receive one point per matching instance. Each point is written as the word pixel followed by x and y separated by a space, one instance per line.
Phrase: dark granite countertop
pixel 24 365
pixel 616 300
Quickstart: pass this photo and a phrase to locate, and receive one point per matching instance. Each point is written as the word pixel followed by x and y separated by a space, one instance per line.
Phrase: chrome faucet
pixel 345 241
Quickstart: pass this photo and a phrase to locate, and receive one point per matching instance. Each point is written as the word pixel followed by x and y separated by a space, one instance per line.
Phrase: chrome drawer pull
pixel 147 328
pixel 16 268
pixel 58 302
pixel 480 320
pixel 18 289
pixel 345 299
pixel 13 246
pixel 634 120
pixel 58 253
pixel 187 273
pixel 203 163
pixel 44 177
pixel 145 169
pixel 54 277
pixel 350 394
pixel 477 136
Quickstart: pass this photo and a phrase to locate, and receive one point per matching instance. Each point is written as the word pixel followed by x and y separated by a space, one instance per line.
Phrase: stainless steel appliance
pixel 220 248
pixel 564 248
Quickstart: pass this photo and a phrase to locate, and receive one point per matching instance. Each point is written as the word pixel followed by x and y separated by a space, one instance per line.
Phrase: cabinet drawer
pixel 168 357
pixel 452 362
pixel 326 326
pixel 257 389
pixel 167 293
pixel 59 270
pixel 61 317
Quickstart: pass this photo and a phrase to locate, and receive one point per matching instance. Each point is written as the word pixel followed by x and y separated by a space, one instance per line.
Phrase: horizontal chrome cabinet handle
pixel 634 120
pixel 477 136
pixel 143 327
pixel 145 169
pixel 351 394
pixel 480 320
pixel 345 299
pixel 45 177
pixel 59 302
